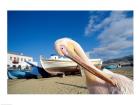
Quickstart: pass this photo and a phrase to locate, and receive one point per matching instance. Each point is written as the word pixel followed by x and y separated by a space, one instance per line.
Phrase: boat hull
pixel 59 67
pixel 17 74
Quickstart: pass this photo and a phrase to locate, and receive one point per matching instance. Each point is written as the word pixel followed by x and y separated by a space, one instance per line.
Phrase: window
pixel 8 66
pixel 10 58
pixel 24 60
pixel 21 59
pixel 19 67
pixel 14 67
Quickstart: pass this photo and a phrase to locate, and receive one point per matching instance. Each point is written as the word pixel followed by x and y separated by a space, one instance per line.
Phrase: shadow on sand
pixel 84 87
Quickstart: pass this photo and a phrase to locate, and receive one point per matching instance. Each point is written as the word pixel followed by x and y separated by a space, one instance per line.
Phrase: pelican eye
pixel 63 50
pixel 62 47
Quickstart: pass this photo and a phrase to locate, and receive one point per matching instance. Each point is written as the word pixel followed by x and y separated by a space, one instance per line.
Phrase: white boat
pixel 55 65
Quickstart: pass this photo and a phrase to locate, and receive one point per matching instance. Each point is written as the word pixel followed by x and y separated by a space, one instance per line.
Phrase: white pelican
pixel 98 81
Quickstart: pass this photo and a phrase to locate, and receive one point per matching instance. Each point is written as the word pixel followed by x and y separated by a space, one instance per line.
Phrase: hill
pixel 126 60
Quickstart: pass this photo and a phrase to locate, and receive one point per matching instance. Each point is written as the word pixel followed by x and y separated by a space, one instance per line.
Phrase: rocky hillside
pixel 122 60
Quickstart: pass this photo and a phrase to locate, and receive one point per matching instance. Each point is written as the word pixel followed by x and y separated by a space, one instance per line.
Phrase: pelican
pixel 98 81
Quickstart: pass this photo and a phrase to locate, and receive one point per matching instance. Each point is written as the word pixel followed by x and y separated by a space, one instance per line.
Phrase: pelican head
pixel 71 49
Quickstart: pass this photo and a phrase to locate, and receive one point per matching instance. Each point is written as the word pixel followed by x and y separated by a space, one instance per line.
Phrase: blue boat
pixel 12 74
pixel 34 73
pixel 111 67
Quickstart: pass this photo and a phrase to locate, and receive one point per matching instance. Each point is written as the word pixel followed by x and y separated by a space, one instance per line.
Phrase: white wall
pixel 20 58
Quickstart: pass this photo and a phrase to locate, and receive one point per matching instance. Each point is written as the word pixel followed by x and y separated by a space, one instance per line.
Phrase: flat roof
pixel 20 54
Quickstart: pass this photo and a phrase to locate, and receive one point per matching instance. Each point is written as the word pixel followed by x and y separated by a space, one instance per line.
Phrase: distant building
pixel 18 61
pixel 53 57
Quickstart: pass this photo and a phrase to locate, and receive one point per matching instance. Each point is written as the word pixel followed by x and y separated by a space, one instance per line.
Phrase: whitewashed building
pixel 54 57
pixel 18 61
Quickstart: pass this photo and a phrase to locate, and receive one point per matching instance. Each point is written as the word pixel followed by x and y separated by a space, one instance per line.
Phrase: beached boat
pixel 55 65
pixel 111 67
pixel 19 74
pixel 35 72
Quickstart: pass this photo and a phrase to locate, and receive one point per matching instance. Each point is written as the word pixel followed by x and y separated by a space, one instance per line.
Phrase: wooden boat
pixel 56 65
pixel 35 72
pixel 20 74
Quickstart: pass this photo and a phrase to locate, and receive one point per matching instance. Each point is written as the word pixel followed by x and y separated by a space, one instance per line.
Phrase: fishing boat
pixel 56 65
pixel 20 74
pixel 35 72
pixel 59 65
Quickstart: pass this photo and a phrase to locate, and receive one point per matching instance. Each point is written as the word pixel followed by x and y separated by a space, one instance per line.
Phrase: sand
pixel 54 85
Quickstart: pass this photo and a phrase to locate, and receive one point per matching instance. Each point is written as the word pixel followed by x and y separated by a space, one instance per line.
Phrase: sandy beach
pixel 54 85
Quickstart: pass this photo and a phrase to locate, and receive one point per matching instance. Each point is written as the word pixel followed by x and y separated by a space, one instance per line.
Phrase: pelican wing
pixel 124 84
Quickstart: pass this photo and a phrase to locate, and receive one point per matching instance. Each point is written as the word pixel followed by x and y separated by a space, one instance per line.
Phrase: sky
pixel 102 34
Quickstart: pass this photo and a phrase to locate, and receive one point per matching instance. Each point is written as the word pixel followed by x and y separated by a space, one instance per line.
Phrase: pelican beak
pixel 90 68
